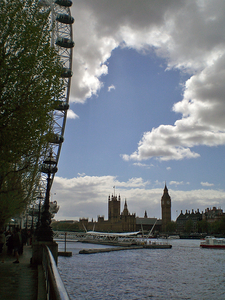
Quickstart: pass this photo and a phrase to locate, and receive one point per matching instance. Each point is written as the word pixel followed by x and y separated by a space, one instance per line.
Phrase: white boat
pixel 212 242
pixel 173 237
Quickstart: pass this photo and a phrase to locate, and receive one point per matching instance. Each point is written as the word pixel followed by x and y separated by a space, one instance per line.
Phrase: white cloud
pixel 111 87
pixel 202 122
pixel 87 196
pixel 188 34
pixel 72 115
pixel 143 165
pixel 81 174
pixel 207 184
pixel 194 199
pixel 164 142
pixel 176 182
pixel 157 182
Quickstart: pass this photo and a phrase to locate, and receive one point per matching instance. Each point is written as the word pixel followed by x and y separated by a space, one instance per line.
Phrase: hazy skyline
pixel 147 107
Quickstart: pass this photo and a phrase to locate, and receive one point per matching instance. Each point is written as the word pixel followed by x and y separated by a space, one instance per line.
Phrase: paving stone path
pixel 18 281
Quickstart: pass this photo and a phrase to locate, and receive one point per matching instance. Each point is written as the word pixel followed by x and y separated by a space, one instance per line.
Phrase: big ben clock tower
pixel 166 208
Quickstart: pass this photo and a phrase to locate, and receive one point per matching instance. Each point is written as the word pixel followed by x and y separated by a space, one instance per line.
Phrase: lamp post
pixel 40 198
pixel 44 231
pixel 32 222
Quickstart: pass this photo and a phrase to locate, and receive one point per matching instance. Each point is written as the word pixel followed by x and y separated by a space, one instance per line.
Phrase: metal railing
pixel 54 286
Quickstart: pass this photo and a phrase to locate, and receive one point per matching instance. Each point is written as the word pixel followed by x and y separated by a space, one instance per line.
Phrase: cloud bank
pixel 189 35
pixel 87 196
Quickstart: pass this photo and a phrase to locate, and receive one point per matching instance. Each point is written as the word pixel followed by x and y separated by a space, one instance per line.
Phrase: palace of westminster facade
pixel 126 222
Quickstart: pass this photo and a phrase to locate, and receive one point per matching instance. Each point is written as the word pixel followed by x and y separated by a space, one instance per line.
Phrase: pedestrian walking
pixel 9 242
pixel 2 240
pixel 17 243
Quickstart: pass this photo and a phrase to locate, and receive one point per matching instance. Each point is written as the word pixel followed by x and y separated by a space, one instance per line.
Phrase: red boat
pixel 212 242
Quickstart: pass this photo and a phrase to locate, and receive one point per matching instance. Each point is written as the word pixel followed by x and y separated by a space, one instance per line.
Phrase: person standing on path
pixel 17 243
pixel 2 240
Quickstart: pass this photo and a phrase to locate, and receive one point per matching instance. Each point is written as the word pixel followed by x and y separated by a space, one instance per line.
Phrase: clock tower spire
pixel 166 208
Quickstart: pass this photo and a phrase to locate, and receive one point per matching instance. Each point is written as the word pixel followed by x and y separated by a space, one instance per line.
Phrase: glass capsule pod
pixel 48 169
pixel 55 138
pixel 66 73
pixel 66 19
pixel 62 105
pixel 66 3
pixel 64 42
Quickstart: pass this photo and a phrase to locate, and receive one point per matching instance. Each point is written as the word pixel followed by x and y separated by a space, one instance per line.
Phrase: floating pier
pixel 64 253
pixel 157 246
pixel 92 251
pixel 102 250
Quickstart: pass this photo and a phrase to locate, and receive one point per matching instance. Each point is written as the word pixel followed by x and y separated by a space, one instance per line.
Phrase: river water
pixel 183 272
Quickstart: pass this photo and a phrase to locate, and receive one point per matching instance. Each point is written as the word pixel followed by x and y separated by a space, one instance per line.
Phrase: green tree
pixel 171 226
pixel 202 226
pixel 30 83
pixel 189 226
pixel 218 227
pixel 215 227
pixel 60 225
pixel 222 226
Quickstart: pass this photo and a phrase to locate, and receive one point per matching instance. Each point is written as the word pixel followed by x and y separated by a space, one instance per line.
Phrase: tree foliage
pixel 202 226
pixel 171 226
pixel 29 84
pixel 60 225
pixel 189 226
pixel 216 227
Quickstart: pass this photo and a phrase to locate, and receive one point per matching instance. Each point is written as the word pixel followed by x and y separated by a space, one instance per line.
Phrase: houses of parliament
pixel 125 222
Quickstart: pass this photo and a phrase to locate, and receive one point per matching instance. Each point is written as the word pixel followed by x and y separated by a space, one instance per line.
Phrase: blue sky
pixel 146 106
pixel 113 122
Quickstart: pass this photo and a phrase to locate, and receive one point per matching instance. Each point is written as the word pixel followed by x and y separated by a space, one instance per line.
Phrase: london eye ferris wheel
pixel 62 39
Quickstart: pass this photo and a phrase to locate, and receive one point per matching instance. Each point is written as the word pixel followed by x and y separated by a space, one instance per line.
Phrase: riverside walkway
pixel 18 281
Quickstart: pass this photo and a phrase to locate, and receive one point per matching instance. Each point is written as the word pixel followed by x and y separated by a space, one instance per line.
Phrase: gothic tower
pixel 114 209
pixel 125 210
pixel 128 220
pixel 166 208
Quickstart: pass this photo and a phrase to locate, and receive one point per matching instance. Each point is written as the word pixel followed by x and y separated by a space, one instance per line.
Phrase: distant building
pixel 193 218
pixel 127 222
pixel 84 224
pixel 114 209
pixel 146 224
pixel 117 222
pixel 166 208
pixel 212 215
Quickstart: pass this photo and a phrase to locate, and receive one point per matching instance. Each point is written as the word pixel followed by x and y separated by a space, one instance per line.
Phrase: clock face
pixel 162 202
pixel 168 202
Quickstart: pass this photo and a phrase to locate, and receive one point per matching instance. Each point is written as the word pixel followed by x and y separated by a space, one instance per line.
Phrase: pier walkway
pixel 18 281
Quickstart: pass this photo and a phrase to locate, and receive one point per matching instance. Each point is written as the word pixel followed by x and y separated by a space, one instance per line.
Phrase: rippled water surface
pixel 184 272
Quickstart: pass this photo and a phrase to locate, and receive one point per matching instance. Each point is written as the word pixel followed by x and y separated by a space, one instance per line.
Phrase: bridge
pixel 94 237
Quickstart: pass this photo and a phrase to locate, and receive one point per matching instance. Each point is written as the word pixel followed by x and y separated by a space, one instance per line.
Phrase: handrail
pixel 54 285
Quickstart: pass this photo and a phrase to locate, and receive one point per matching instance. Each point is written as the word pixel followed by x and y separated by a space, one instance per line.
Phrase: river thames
pixel 183 272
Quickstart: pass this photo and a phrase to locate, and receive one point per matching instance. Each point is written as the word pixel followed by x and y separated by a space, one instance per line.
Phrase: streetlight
pixel 44 231
pixel 40 198
pixel 32 222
